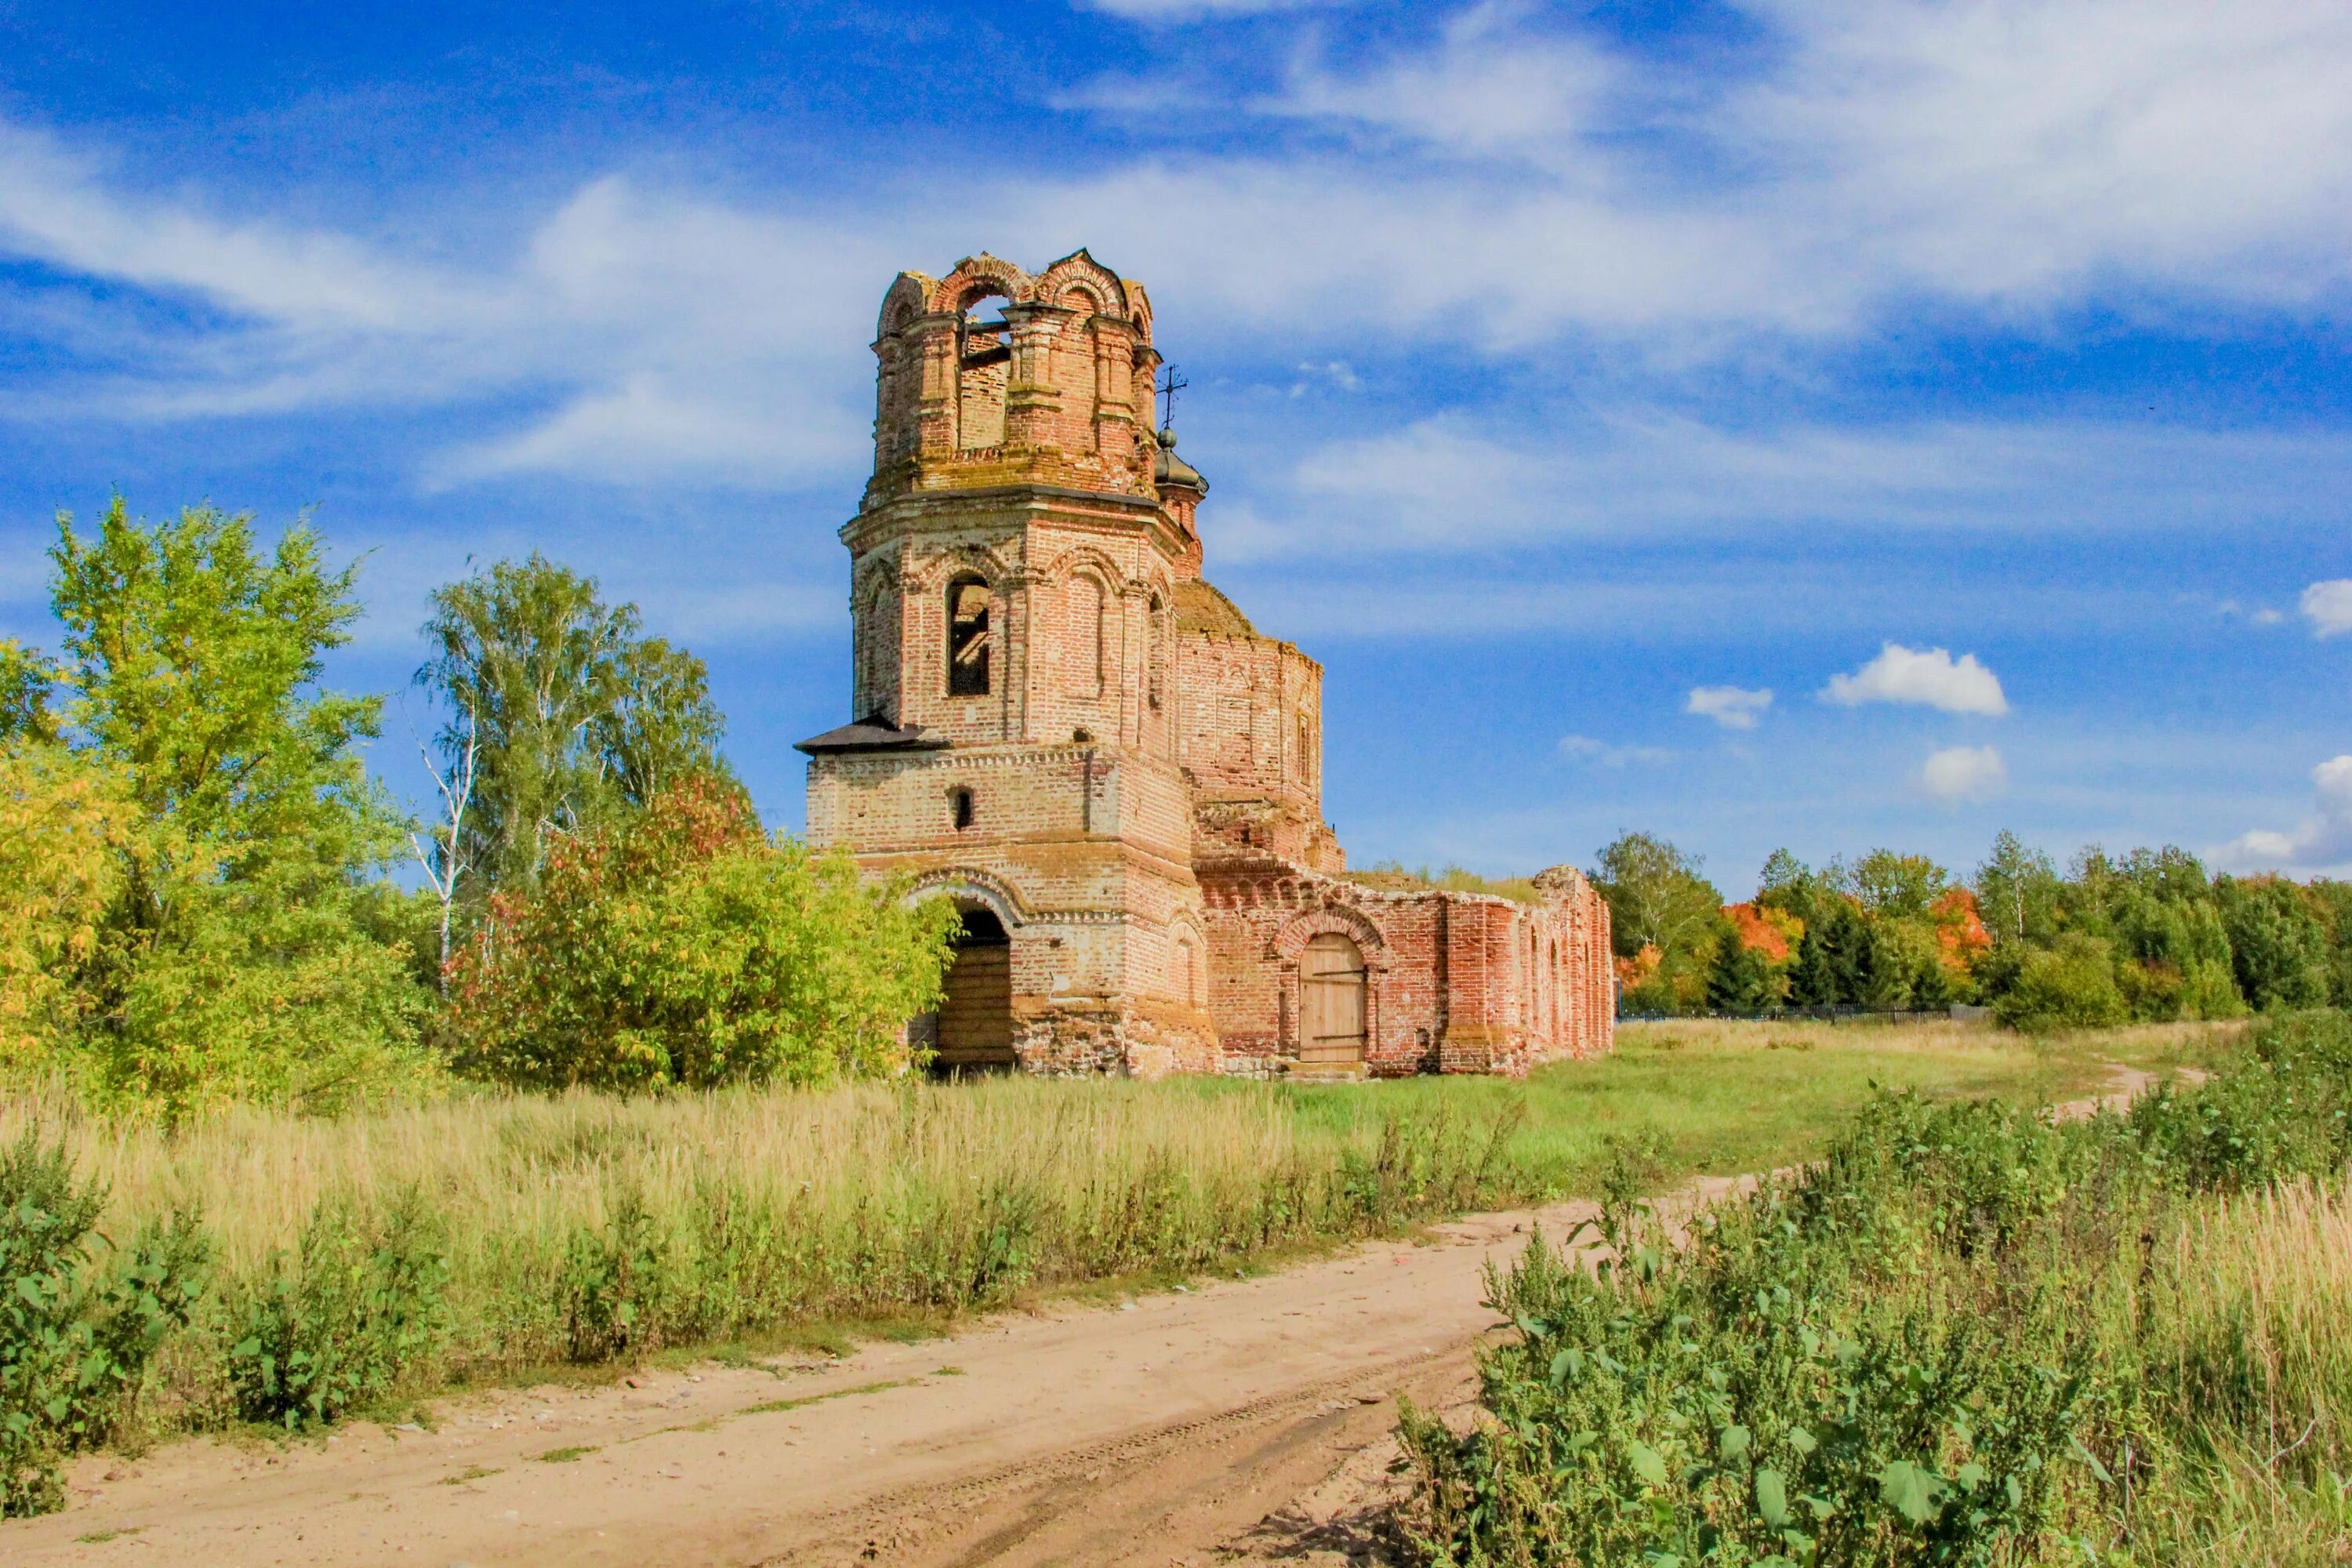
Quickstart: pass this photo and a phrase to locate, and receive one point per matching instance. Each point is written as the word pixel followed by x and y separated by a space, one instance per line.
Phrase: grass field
pixel 1728 1097
pixel 589 1230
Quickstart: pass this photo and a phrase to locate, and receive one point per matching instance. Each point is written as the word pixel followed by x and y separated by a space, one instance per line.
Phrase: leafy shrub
pixel 1950 1341
pixel 615 1283
pixel 2069 986
pixel 76 1337
pixel 685 948
pixel 337 1325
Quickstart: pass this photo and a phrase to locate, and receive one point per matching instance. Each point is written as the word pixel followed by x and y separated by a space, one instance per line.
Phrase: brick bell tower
pixel 1013 575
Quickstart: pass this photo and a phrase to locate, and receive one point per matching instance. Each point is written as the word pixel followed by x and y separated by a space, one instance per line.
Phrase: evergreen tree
pixel 1812 979
pixel 1738 978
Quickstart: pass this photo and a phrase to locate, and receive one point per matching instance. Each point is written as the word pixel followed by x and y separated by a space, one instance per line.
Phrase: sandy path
pixel 1078 1435
pixel 1240 1417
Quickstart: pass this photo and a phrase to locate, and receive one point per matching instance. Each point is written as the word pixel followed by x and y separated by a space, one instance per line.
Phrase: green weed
pixel 1965 1336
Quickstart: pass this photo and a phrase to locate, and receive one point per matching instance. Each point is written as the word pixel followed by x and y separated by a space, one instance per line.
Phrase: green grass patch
pixel 565 1456
pixel 772 1406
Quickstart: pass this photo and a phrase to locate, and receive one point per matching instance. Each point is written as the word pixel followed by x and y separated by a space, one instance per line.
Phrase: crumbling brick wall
pixel 1136 796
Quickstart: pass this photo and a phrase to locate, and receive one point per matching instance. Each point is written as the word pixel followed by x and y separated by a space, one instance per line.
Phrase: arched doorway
pixel 1330 1005
pixel 975 1018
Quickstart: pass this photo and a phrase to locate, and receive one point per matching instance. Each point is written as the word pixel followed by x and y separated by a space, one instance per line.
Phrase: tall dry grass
pixel 730 1215
pixel 2246 1326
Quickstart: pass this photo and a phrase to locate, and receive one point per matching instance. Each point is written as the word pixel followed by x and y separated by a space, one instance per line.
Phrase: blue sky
pixel 1970 377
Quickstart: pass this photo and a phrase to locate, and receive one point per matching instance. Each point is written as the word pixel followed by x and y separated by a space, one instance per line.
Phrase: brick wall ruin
pixel 1059 723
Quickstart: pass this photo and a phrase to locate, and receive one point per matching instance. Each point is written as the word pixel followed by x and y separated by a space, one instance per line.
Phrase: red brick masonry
pixel 1135 793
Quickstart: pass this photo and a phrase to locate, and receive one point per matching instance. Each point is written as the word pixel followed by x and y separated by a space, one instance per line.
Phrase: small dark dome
pixel 1171 471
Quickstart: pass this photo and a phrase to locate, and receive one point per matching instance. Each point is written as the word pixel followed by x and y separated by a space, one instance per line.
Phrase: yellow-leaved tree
pixel 61 817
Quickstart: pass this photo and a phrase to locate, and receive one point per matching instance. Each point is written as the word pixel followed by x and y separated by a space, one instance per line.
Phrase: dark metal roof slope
pixel 872 733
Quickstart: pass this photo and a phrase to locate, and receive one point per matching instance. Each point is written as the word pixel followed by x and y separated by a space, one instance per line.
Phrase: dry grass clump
pixel 2247 1319
pixel 589 1228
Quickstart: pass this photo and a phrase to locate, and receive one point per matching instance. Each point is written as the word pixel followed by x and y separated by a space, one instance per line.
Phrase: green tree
pixel 1782 872
pixel 27 680
pixel 1655 895
pixel 2070 985
pixel 1738 978
pixel 1896 886
pixel 559 714
pixel 249 949
pixel 681 947
pixel 2017 893
pixel 1812 977
pixel 2277 943
pixel 2332 901
pixel 62 820
pixel 1657 899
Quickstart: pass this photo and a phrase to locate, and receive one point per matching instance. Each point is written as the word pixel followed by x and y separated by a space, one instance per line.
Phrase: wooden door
pixel 1330 1002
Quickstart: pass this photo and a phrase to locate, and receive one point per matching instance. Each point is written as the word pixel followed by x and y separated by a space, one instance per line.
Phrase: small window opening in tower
pixel 1155 641
pixel 960 807
pixel 968 638
pixel 984 356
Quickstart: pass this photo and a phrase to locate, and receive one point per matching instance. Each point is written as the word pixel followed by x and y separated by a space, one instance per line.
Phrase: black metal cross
pixel 1171 383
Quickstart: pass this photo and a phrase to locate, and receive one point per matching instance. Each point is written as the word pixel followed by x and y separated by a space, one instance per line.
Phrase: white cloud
pixel 2323 842
pixel 1958 773
pixel 1733 706
pixel 2330 607
pixel 1444 484
pixel 1507 184
pixel 1196 10
pixel 1609 756
pixel 1929 676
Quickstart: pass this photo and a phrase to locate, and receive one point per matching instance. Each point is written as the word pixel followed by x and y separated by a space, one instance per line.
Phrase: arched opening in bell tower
pixel 984 361
pixel 968 636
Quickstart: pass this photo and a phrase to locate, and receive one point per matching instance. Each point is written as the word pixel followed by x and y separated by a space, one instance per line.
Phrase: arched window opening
pixel 877 652
pixel 960 807
pixel 1085 641
pixel 1155 680
pixel 1187 973
pixel 984 357
pixel 968 636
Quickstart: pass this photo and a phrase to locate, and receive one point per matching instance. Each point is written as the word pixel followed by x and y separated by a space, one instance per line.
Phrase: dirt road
pixel 1146 1433
pixel 1238 1418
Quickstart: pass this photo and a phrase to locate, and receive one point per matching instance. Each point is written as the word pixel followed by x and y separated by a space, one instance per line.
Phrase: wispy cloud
pixel 2321 843
pixel 1197 10
pixel 1954 775
pixel 1609 756
pixel 2328 606
pixel 1929 677
pixel 1446 483
pixel 1733 706
pixel 1507 182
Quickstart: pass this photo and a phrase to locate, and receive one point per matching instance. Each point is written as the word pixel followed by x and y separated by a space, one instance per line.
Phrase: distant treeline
pixel 2149 935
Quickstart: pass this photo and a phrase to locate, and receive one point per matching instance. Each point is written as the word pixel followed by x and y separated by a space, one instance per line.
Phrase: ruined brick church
pixel 1118 778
